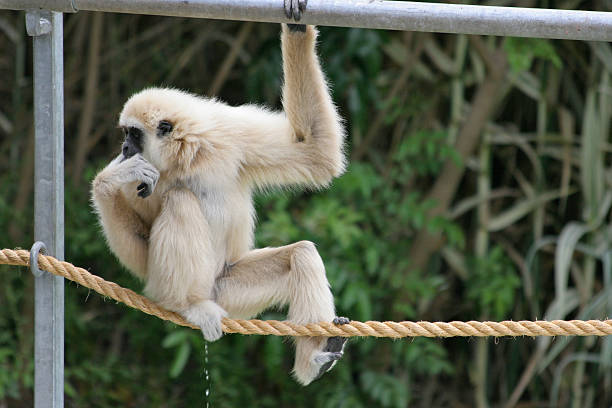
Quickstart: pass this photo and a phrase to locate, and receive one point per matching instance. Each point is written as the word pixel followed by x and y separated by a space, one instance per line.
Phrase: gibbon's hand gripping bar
pixel 391 15
pixel 278 328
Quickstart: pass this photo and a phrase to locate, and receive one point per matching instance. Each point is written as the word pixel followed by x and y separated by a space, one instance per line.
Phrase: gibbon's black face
pixel 134 139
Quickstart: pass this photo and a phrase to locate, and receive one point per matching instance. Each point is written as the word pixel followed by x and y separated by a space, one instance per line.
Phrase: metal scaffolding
pixel 391 15
pixel 46 28
pixel 44 24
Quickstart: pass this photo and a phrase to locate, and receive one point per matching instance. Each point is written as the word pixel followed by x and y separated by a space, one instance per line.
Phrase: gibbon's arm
pixel 182 262
pixel 305 144
pixel 126 233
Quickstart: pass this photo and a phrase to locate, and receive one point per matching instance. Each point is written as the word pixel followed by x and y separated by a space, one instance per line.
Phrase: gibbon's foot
pixel 207 316
pixel 333 351
pixel 294 10
pixel 341 320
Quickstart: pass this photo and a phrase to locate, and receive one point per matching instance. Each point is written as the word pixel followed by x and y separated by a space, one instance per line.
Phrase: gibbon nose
pixel 128 150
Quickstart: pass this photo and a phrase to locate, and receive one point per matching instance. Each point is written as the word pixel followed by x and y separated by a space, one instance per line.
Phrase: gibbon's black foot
pixel 341 320
pixel 294 10
pixel 144 190
pixel 335 346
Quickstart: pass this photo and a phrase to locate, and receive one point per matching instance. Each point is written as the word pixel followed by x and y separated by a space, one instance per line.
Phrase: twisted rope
pixel 278 328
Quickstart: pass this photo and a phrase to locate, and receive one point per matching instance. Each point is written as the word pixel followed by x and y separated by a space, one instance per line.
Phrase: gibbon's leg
pixel 292 275
pixel 125 232
pixel 183 264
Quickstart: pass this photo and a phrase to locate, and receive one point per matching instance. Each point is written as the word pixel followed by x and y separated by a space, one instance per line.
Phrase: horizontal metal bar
pixel 391 15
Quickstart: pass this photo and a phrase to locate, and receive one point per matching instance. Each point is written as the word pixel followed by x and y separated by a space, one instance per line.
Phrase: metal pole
pixel 391 15
pixel 47 31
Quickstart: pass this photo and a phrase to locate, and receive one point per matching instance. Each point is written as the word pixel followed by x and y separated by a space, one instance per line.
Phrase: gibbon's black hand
pixel 144 190
pixel 294 10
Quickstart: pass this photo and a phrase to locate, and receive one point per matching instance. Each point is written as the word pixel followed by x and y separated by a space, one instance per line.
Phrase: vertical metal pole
pixel 47 29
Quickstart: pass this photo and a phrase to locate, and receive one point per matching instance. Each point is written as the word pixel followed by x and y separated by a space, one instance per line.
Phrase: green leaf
pixel 522 51
pixel 180 360
pixel 521 209
pixel 175 338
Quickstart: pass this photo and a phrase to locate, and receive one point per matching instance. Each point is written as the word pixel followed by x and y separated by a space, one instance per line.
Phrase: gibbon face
pixel 156 125
pixel 135 137
pixel 140 139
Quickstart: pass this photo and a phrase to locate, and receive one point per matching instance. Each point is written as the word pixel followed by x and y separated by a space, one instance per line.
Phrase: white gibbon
pixel 176 205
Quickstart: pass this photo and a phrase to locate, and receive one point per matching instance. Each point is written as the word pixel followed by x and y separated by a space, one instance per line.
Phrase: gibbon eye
pixel 164 127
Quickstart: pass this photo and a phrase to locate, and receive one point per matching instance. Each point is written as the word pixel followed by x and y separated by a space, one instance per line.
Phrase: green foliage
pixel 425 152
pixel 11 366
pixel 352 67
pixel 385 389
pixel 426 356
pixel 523 51
pixel 492 284
pixel 178 339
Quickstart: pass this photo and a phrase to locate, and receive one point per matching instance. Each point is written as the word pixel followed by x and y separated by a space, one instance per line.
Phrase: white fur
pixel 206 315
pixel 191 240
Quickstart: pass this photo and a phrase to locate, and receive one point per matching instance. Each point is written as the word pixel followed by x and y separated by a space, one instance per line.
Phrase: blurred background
pixel 478 189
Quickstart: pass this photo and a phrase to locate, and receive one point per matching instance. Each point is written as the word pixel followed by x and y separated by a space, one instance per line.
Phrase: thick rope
pixel 278 328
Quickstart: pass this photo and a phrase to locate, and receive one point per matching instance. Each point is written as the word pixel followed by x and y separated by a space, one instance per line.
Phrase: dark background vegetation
pixel 478 188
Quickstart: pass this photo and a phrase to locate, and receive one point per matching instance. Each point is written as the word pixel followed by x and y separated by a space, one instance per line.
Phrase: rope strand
pixel 277 328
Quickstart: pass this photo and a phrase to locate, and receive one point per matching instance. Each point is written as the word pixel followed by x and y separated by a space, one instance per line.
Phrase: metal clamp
pixel 38 247
pixel 37 23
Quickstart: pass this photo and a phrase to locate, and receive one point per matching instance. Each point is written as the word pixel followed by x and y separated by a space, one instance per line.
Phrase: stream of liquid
pixel 206 376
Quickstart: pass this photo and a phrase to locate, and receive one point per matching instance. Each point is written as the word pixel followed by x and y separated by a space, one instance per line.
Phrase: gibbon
pixel 176 205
